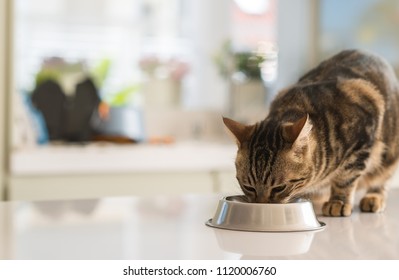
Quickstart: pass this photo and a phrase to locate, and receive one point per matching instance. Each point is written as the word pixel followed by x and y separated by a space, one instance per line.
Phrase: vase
pixel 247 97
pixel 162 93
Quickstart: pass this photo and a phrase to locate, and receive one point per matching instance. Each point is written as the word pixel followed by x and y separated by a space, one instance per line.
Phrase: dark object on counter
pixel 77 119
pixel 50 100
pixel 67 119
pixel 80 112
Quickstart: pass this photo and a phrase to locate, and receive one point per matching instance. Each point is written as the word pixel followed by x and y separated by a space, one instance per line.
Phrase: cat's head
pixel 273 160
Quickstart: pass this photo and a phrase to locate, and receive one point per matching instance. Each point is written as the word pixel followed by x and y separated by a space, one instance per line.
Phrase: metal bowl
pixel 235 214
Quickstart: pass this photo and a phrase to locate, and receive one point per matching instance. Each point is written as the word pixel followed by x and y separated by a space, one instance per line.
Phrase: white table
pixel 172 227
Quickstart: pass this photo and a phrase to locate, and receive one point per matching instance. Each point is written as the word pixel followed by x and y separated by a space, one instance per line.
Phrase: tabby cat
pixel 336 128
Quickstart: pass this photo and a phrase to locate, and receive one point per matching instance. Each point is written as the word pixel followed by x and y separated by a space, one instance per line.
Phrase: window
pixel 365 24
pixel 140 52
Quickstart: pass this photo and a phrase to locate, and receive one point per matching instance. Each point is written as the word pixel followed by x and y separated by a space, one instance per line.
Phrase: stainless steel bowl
pixel 235 214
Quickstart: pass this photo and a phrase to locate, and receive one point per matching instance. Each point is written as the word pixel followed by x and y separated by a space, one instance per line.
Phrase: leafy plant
pixel 122 97
pixel 100 72
pixel 230 62
pixel 45 75
pixel 249 64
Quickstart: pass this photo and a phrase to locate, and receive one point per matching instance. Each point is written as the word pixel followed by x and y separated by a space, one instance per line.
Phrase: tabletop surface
pixel 173 227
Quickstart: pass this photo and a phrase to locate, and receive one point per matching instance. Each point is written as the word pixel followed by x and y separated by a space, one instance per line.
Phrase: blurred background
pixel 125 97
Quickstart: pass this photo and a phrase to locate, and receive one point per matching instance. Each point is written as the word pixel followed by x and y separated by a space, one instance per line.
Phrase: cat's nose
pixel 261 199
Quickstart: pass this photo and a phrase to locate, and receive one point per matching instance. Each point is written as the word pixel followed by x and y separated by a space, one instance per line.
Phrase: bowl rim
pixel 298 201
pixel 209 223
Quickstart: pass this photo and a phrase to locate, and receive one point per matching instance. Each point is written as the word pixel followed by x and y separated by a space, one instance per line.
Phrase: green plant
pixel 249 64
pixel 46 74
pixel 99 73
pixel 122 97
pixel 230 62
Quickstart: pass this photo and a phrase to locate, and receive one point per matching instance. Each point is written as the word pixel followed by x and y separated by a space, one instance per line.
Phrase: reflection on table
pixel 173 227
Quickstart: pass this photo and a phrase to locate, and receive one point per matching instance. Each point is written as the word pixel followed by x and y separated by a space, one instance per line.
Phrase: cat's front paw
pixel 337 208
pixel 372 203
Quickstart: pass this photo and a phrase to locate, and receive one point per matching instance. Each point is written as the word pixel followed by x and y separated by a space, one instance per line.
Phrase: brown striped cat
pixel 336 128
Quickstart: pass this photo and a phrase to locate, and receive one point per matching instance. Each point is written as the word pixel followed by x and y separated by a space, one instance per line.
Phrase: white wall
pixel 211 28
pixel 296 31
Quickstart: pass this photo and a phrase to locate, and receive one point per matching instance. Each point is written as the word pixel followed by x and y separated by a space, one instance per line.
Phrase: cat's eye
pixel 296 180
pixel 278 189
pixel 249 189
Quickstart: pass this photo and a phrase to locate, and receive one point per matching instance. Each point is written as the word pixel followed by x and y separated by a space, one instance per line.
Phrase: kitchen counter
pixel 87 171
pixel 172 227
pixel 99 158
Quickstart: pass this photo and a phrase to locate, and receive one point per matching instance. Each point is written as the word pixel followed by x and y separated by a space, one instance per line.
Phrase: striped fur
pixel 335 128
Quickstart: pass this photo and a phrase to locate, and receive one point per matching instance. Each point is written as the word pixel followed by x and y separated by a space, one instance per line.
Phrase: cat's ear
pixel 241 132
pixel 299 131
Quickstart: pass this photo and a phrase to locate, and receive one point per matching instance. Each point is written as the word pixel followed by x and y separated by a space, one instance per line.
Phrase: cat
pixel 336 128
